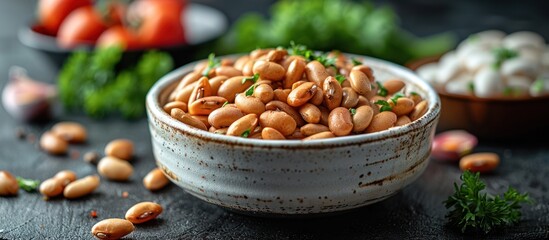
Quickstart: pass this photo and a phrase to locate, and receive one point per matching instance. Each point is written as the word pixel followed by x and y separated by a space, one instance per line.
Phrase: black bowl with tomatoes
pixel 64 26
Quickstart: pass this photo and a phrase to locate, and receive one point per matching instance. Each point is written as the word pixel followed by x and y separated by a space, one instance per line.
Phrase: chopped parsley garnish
pixel 382 91
pixel 246 133
pixel 340 78
pixel 212 63
pixel 538 85
pixel 385 106
pixel 252 78
pixel 356 62
pixel 225 104
pixel 353 111
pixel 28 185
pixel 471 86
pixel 502 54
pixel 250 91
pixel 396 97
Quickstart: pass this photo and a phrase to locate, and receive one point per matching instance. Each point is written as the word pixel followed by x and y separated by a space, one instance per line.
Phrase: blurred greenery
pixel 325 25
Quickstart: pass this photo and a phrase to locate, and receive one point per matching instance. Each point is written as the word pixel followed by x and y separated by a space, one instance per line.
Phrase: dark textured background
pixel 414 213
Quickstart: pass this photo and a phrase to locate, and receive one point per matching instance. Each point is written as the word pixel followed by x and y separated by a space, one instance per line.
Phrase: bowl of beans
pixel 494 84
pixel 292 132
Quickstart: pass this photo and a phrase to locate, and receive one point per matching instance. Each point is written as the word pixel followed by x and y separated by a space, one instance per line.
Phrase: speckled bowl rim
pixel 155 110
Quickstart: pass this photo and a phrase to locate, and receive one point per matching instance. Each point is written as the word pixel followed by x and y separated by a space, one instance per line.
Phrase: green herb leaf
pixel 325 60
pixel 538 85
pixel 225 103
pixel 396 97
pixel 381 91
pixel 356 62
pixel 502 54
pixel 353 111
pixel 300 50
pixel 250 91
pixel 471 86
pixel 253 78
pixel 212 63
pixel 340 78
pixel 385 106
pixel 473 210
pixel 246 133
pixel 28 185
pixel 414 93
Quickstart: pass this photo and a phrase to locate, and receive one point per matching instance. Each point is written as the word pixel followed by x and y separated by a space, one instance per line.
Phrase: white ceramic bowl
pixel 293 177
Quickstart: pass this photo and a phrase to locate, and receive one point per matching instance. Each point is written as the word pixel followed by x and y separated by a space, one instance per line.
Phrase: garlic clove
pixel 26 99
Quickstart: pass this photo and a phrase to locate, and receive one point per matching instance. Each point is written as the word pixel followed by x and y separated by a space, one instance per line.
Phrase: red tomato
pixel 51 13
pixel 120 36
pixel 160 22
pixel 83 26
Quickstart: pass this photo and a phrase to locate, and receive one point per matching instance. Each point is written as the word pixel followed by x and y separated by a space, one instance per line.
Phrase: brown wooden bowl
pixel 494 118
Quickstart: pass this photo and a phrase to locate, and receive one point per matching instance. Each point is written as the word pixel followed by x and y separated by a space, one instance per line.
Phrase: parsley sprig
pixel 502 54
pixel 310 55
pixel 253 78
pixel 212 63
pixel 381 91
pixel 473 210
pixel 340 78
pixel 385 106
pixel 28 185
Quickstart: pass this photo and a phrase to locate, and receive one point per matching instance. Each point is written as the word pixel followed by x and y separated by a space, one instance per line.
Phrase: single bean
pixel 81 187
pixel 346 83
pixel 155 180
pixel 340 121
pixel 243 124
pixel 143 212
pixel 403 106
pixel 65 177
pixel 203 119
pixel 53 144
pixel 479 162
pixel 278 120
pixel 289 59
pixel 8 184
pixel 187 119
pixel 321 135
pixel 366 70
pixel 247 70
pixel 222 131
pixel 184 94
pixel 295 135
pixel 224 117
pixel 175 104
pixel 200 66
pixel 313 128
pixel 419 110
pixel 360 82
pixel 331 71
pixel 318 98
pixel 120 148
pixel 188 79
pixel 271 134
pixel 227 62
pixel 264 92
pixel 282 106
pixel 362 118
pixel 201 89
pixel 382 121
pixel 71 132
pixel 302 94
pixel 233 86
pixel 298 83
pixel 403 120
pixel 241 61
pixel 114 169
pixel 281 94
pixel 333 93
pixel 310 113
pixel 269 70
pixel 112 228
pixel 324 113
pixel 227 71
pixel 362 101
pixel 316 72
pixel 416 98
pixel 249 104
pixel 205 105
pixel 216 82
pixel 257 53
pixel 393 86
pixel 51 187
pixel 350 98
pixel 294 73
pixel 276 55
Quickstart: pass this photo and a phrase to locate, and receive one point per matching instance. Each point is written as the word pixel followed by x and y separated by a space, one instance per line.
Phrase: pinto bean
pixel 81 187
pixel 276 55
pixel 184 94
pixel 112 228
pixel 393 86
pixel 264 92
pixel 120 148
pixel 302 94
pixel 187 119
pixel 362 101
pixel 241 61
pixel 188 79
pixel 175 104
pixel 281 94
pixel 227 71
pixel 316 72
pixel 282 106
pixel 233 86
pixel 324 113
pixel 271 134
pixel 294 73
pixel 249 104
pixel 224 117
pixel 295 135
pixel 71 132
pixel 318 98
pixel 362 118
pixel 321 135
pixel 278 120
pixel 310 113
pixel 419 110
pixel 382 121
pixel 65 177
pixel 366 70
pixel 53 144
pixel 51 187
pixel 143 212
pixel 269 70
pixel 340 121
pixel 479 162
pixel 245 123
pixel 403 106
pixel 289 59
pixel 8 184
pixel 114 169
pixel 216 82
pixel 360 82
pixel 350 98
pixel 247 70
pixel 333 93
pixel 416 98
pixel 403 120
pixel 206 105
pixel 203 119
pixel 260 52
pixel 201 89
pixel 313 128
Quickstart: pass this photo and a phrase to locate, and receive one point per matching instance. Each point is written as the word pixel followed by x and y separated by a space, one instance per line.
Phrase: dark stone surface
pixel 416 212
